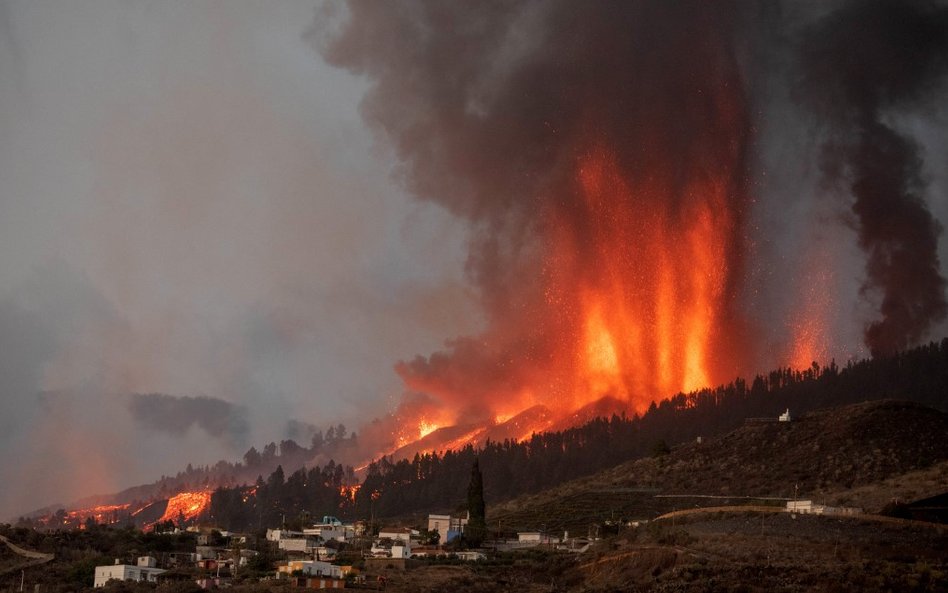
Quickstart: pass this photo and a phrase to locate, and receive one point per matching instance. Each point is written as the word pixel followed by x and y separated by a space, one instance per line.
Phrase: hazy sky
pixel 191 205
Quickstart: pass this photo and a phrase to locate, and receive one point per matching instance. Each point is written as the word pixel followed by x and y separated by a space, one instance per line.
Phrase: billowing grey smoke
pixel 173 414
pixel 863 66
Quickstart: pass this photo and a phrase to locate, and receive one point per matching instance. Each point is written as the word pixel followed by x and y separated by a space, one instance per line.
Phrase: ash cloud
pixel 863 66
pixel 491 106
pixel 177 414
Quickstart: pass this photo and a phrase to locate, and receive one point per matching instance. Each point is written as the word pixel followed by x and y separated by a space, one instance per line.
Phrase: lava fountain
pixel 600 156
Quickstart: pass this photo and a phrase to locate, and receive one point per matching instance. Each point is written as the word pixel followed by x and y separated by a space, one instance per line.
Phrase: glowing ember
pixel 811 321
pixel 425 428
pixel 189 505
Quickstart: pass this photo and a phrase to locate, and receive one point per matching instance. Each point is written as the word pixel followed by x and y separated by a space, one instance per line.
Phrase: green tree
pixel 476 529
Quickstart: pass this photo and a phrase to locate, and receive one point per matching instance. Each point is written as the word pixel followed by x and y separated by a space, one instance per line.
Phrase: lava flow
pixel 186 505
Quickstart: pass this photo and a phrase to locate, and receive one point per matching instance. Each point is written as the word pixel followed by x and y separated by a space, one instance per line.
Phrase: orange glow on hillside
pixel 190 505
pixel 102 514
pixel 425 428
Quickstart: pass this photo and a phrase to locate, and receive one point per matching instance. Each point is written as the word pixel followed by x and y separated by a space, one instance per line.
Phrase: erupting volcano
pixel 605 159
pixel 603 171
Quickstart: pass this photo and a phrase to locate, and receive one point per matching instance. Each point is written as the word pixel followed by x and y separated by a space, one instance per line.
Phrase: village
pixel 327 554
pixel 331 554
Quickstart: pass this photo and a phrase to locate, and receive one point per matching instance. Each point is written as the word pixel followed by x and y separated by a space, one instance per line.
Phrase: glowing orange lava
pixel 103 514
pixel 638 283
pixel 189 505
pixel 425 428
pixel 648 310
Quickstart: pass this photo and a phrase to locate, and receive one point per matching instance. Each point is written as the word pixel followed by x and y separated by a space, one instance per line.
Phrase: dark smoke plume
pixel 862 65
pixel 492 107
pixel 175 415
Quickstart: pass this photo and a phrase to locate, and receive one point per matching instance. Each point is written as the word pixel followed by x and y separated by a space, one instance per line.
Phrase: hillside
pixel 594 438
pixel 826 452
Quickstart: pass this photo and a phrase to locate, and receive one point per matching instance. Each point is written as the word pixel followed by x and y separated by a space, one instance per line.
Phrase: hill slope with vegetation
pixel 824 453
pixel 437 481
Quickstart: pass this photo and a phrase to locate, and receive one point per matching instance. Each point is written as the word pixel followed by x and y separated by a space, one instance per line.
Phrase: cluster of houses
pixel 208 560
pixel 310 556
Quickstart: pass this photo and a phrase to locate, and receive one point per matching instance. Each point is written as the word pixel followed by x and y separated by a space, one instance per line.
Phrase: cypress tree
pixel 476 529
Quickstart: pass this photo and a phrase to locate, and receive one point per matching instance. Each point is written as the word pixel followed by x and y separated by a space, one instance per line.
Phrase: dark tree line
pixel 335 442
pixel 439 482
pixel 281 501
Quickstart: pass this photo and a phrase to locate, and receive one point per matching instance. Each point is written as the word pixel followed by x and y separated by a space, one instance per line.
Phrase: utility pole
pixel 22 578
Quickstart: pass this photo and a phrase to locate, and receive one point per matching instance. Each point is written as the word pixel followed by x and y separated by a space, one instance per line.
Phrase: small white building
pixel 340 533
pixel 144 570
pixel 799 506
pixel 313 568
pixel 448 527
pixel 806 507
pixel 528 538
pixel 318 568
pixel 275 535
pixel 298 544
pixel 785 417
pixel 401 550
pixel 439 523
pixel 405 534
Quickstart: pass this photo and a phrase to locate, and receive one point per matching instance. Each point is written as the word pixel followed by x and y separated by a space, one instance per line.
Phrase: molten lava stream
pixel 189 505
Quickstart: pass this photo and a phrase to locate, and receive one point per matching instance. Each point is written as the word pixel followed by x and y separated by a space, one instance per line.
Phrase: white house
pixel 785 417
pixel 439 523
pixel 275 535
pixel 144 570
pixel 448 527
pixel 806 507
pixel 404 535
pixel 324 569
pixel 401 550
pixel 310 568
pixel 526 538
pixel 341 533
pixel 297 544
